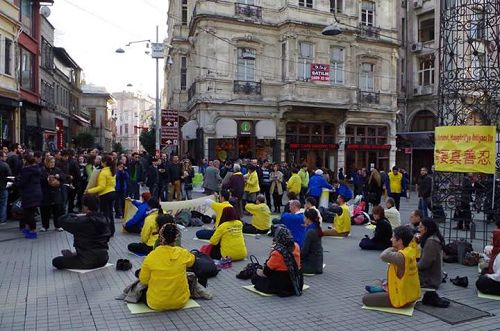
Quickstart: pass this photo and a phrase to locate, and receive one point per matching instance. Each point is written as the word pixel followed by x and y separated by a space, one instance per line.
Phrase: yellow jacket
pixel 252 182
pixel 261 218
pixel 164 272
pixel 106 182
pixel 230 236
pixel 218 207
pixel 406 289
pixel 149 228
pixel 395 182
pixel 342 222
pixel 294 184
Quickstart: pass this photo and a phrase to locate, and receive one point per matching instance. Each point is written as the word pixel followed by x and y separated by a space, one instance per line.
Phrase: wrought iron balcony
pixel 368 97
pixel 248 11
pixel 366 31
pixel 192 91
pixel 247 87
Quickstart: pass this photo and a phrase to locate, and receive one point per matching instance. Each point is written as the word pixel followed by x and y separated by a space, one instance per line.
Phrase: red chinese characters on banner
pixel 468 157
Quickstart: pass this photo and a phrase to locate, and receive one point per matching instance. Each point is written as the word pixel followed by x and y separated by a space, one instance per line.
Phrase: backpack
pixel 204 218
pixel 204 267
pixel 183 218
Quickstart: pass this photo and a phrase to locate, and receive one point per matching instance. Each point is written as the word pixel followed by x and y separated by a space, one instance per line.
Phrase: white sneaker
pixel 43 230
pixel 60 229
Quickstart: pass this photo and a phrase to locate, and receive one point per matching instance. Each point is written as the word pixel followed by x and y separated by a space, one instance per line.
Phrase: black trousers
pixel 133 229
pixel 249 228
pixel 369 244
pixel 28 218
pixel 79 194
pixel 54 211
pixel 79 262
pixel 71 199
pixel 487 285
pixel 397 199
pixel 216 254
pixel 106 206
pixel 119 203
pixel 277 198
pixel 266 190
pixel 140 248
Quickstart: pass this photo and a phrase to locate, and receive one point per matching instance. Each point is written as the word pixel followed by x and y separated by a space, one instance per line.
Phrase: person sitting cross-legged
pixel 134 225
pixel 261 216
pixel 392 214
pixel 311 253
pixel 149 232
pixel 403 284
pixel 294 221
pixel 217 207
pixel 227 240
pixel 382 235
pixel 342 221
pixel 91 232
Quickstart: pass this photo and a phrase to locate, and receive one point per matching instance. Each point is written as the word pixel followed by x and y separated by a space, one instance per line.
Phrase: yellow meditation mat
pixel 141 308
pixel 407 311
pixel 488 296
pixel 335 237
pixel 251 288
pixel 202 240
pixel 370 227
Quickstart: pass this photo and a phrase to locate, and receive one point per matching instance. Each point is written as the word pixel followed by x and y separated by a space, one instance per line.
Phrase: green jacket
pixel 304 177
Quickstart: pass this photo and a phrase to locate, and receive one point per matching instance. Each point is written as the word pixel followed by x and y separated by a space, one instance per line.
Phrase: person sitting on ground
pixel 403 285
pixel 489 282
pixel 382 235
pixel 342 221
pixel 134 225
pixel 294 221
pixel 311 204
pixel 166 262
pixel 282 273
pixel 392 214
pixel 311 253
pixel 291 196
pixel 430 269
pixel 91 232
pixel 261 216
pixel 341 188
pixel 227 240
pixel 221 202
pixel 317 183
pixel 161 220
pixel 149 232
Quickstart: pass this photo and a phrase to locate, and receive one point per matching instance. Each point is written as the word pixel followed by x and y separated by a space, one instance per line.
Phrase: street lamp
pixel 157 50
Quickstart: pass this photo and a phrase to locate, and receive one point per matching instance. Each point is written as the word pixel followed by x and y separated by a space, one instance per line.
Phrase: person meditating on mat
pixel 164 272
pixel 392 214
pixel 217 207
pixel 430 264
pixel 489 282
pixel 282 273
pixel 134 225
pixel 91 232
pixel 294 221
pixel 342 221
pixel 311 253
pixel 311 204
pixel 261 216
pixel 227 239
pixel 149 232
pixel 403 285
pixel 382 235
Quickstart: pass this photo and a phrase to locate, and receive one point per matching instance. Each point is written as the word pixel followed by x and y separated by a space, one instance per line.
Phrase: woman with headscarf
pixel 430 264
pixel 282 273
pixel 489 283
pixel 166 262
pixel 227 240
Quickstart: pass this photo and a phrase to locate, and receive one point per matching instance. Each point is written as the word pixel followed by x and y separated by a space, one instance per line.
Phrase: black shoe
pixel 126 265
pixel 119 264
pixel 460 281
pixel 432 299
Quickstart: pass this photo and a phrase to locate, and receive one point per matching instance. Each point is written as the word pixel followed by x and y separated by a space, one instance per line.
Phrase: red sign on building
pixel 320 71
pixel 169 127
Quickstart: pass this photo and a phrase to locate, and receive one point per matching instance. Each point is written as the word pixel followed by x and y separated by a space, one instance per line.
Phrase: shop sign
pixel 408 150
pixel 465 149
pixel 320 71
pixel 169 127
pixel 313 146
pixel 366 146
pixel 246 128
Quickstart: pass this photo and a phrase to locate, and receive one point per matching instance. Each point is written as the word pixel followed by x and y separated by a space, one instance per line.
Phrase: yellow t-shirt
pixel 261 218
pixel 164 272
pixel 252 183
pixel 342 223
pixel 294 184
pixel 230 236
pixel 395 182
pixel 406 289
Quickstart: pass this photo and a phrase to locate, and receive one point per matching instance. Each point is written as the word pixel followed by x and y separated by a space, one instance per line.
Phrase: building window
pixel 366 79
pixel 27 79
pixel 8 57
pixel 247 2
pixel 183 73
pixel 27 16
pixel 246 64
pixel 368 13
pixel 426 29
pixel 283 61
pixel 336 6
pixel 306 3
pixel 426 72
pixel 305 60
pixel 370 150
pixel 184 12
pixel 47 55
pixel 337 65
pixel 477 25
pixel 126 128
pixel 424 120
pixel 403 31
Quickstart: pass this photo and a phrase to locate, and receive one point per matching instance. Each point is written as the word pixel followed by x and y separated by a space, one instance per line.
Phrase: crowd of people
pixel 96 185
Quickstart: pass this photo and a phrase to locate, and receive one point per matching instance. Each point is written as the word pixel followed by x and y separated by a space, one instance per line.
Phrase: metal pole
pixel 158 119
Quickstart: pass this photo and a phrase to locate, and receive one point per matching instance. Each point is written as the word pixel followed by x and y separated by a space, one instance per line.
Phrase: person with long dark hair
pixel 311 253
pixel 105 189
pixel 282 274
pixel 431 261
pixel 29 183
pixel 382 235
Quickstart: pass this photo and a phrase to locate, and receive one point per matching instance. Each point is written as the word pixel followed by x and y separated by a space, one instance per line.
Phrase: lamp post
pixel 157 50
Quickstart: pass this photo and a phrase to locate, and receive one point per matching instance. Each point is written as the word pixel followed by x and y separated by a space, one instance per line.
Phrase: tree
pixel 84 140
pixel 147 139
pixel 118 148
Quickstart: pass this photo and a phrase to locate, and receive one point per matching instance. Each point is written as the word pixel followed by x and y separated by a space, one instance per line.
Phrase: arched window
pixel 424 120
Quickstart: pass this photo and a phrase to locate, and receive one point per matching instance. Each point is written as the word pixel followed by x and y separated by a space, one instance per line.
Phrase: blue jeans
pixel 423 206
pixel 4 196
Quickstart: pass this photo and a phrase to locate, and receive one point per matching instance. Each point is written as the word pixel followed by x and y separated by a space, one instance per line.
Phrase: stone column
pixel 341 140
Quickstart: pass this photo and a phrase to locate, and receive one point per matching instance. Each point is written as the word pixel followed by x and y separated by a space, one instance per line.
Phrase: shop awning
pixel 81 119
pixel 423 140
pixel 226 128
pixel 189 130
pixel 265 129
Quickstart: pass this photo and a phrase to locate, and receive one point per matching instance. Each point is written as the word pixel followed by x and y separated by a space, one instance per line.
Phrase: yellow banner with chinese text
pixel 465 149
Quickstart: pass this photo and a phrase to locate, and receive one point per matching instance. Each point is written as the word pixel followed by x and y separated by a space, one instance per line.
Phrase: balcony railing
pixel 367 31
pixel 368 97
pixel 248 11
pixel 247 87
pixel 192 91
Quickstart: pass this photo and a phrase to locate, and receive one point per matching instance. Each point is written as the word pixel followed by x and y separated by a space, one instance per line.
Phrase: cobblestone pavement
pixel 34 296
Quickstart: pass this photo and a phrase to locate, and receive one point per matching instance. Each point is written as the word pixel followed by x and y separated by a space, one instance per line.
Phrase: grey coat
pixel 212 179
pixel 311 253
pixel 430 264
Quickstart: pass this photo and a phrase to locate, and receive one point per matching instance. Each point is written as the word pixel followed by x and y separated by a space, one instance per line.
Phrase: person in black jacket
pixel 52 202
pixel 311 253
pixel 153 178
pixel 74 178
pixel 424 189
pixel 175 171
pixel 4 194
pixel 136 175
pixel 29 183
pixel 164 178
pixel 383 232
pixel 91 233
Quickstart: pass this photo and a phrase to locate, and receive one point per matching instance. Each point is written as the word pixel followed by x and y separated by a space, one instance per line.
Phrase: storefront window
pixel 368 146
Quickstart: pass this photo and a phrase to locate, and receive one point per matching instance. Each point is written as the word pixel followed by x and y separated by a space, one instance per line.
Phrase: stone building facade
pixel 248 77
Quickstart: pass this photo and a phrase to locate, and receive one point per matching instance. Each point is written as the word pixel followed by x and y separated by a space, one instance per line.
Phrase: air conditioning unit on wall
pixel 417 4
pixel 416 47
